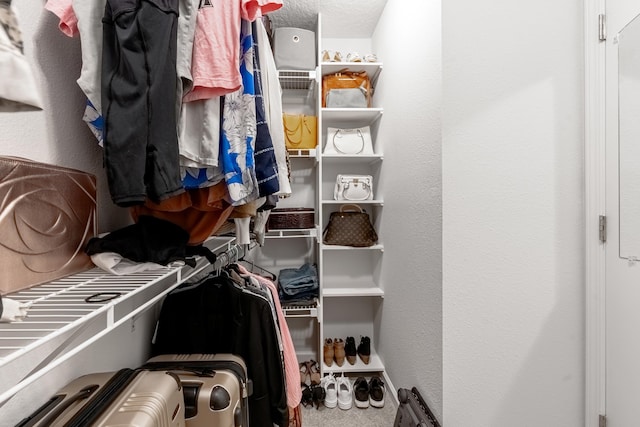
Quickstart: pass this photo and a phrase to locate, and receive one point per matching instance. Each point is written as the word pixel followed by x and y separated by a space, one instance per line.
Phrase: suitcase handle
pixel 84 393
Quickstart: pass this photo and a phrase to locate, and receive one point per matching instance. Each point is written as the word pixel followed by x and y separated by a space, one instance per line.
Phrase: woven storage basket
pixel 291 218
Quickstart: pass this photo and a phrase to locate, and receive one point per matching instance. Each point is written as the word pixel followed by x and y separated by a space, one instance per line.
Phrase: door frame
pixel 595 184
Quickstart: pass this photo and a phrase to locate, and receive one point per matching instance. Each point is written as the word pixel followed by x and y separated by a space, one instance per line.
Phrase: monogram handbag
pixel 300 131
pixel 346 89
pixel 349 141
pixel 351 226
pixel 353 187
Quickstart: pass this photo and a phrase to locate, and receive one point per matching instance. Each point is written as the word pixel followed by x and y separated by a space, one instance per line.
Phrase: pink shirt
pixel 215 64
pixel 68 21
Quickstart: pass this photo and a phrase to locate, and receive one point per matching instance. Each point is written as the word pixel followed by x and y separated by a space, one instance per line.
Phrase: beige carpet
pixel 354 417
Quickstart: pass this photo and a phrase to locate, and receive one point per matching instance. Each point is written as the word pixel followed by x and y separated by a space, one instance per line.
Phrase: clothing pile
pixel 298 286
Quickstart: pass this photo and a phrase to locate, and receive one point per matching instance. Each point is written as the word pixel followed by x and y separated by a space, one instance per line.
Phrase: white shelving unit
pixel 349 277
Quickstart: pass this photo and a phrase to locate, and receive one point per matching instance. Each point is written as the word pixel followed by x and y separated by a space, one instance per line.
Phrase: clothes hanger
pixel 252 265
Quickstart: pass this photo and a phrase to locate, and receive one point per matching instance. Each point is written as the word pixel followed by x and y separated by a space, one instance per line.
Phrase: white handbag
pixel 353 187
pixel 349 141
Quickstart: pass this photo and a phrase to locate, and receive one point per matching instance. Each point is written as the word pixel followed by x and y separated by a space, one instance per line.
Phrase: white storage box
pixel 294 49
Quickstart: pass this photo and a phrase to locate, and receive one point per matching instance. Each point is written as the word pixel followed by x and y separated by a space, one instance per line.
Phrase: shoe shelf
pixel 375 365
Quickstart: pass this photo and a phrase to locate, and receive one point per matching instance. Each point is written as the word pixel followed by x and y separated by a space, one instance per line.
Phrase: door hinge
pixel 602 228
pixel 602 28
pixel 602 421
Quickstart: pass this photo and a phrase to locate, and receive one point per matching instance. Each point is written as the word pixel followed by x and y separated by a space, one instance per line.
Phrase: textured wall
pixel 410 90
pixel 513 249
pixel 57 134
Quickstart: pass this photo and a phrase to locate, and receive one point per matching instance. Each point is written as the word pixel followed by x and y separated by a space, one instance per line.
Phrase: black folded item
pixel 151 239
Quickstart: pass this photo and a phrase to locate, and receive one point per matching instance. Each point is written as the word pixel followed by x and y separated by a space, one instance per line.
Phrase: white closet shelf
pixel 375 202
pixel 297 232
pixel 303 154
pixel 346 116
pixel 373 69
pixel 352 248
pixel 374 365
pixel 352 292
pixel 59 309
pixel 354 157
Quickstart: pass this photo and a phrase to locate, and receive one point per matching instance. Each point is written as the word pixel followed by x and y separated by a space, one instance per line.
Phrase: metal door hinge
pixel 602 28
pixel 602 421
pixel 602 228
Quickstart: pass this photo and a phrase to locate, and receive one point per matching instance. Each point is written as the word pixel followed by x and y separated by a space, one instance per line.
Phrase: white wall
pixel 57 135
pixel 513 297
pixel 410 340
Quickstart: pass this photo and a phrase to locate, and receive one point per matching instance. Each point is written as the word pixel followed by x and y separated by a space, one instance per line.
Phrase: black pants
pixel 138 100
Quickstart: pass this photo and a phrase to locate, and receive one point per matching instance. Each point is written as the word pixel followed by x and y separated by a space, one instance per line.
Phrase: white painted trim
pixel 594 170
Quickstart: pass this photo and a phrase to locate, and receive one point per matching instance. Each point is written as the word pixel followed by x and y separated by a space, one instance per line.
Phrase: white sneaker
pixel 345 392
pixel 328 382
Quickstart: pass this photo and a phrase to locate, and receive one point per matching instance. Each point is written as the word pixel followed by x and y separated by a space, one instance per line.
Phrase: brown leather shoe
pixel 338 351
pixel 328 351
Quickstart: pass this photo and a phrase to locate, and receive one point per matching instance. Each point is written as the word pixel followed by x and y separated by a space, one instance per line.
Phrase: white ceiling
pixel 340 18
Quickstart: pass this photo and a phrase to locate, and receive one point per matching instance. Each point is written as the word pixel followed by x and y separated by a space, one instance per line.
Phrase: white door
pixel 622 306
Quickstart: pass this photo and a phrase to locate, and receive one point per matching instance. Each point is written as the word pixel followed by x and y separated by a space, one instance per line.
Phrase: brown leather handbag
pixel 351 226
pixel 351 89
pixel 47 215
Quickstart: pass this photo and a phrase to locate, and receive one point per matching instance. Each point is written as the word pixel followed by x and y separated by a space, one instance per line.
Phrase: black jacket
pixel 217 316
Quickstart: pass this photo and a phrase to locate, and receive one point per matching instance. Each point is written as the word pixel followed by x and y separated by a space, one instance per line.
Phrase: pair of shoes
pixel 364 349
pixel 309 373
pixel 355 57
pixel 313 395
pixel 329 384
pixel 331 56
pixel 371 393
pixel 334 350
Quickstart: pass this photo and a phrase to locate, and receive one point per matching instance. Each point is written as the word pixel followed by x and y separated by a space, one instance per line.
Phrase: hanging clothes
pixel 215 65
pixel 217 316
pixel 265 159
pixel 291 366
pixel 272 100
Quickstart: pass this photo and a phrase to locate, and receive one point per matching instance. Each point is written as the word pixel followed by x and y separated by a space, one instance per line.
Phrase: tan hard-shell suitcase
pixel 47 215
pixel 108 399
pixel 216 387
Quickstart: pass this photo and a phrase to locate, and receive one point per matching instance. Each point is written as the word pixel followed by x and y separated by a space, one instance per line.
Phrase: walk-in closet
pixel 382 298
